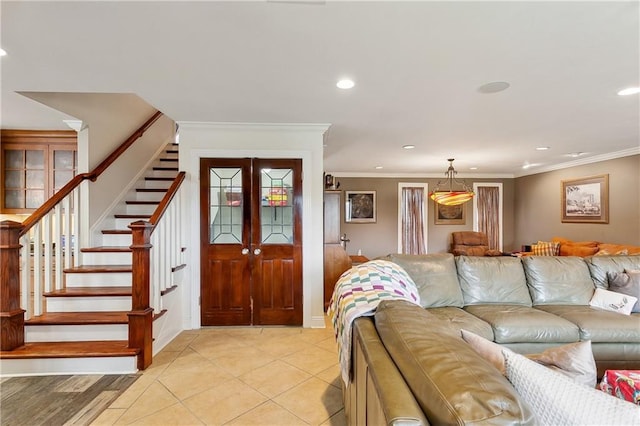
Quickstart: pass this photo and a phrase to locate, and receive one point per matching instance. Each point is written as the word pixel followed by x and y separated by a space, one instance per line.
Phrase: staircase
pixel 84 325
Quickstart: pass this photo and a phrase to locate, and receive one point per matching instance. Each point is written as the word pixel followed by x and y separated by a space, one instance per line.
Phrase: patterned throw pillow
pixel 546 248
pixel 558 400
pixel 612 301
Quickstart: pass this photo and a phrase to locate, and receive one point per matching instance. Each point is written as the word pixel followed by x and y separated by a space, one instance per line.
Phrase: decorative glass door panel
pixel 225 205
pixel 251 241
pixel 276 208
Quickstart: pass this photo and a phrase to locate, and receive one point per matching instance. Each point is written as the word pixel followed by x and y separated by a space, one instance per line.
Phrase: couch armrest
pixel 381 394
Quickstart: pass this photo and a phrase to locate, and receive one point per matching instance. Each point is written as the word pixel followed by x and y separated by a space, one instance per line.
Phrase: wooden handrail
pixel 123 147
pixel 40 212
pixel 164 203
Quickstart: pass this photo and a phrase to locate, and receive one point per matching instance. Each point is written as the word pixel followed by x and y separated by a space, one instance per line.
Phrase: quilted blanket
pixel 358 292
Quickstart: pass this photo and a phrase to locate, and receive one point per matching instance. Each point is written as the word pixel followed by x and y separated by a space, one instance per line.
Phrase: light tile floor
pixel 237 376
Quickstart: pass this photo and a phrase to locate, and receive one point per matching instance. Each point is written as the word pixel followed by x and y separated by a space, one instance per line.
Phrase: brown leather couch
pixel 410 365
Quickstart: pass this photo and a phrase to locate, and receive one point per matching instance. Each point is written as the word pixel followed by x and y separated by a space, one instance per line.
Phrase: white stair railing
pixel 48 247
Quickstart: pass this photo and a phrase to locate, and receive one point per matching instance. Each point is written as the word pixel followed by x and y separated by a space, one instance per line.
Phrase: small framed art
pixel 360 206
pixel 585 200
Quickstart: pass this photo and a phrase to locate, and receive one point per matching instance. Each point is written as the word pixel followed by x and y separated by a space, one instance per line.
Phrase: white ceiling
pixel 417 68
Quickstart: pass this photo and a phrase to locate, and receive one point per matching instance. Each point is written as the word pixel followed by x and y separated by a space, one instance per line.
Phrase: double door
pixel 251 241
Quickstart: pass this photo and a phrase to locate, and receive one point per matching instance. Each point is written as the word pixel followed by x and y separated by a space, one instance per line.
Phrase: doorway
pixel 251 241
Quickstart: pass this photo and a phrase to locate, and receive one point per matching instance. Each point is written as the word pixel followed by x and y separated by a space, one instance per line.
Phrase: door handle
pixel 257 251
pixel 245 251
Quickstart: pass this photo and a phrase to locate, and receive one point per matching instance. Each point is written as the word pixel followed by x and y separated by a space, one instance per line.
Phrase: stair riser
pixel 140 209
pixel 124 223
pixel 164 173
pixel 107 258
pixel 149 196
pixel 89 304
pixel 75 333
pixel 116 240
pixel 59 366
pixel 164 184
pixel 99 279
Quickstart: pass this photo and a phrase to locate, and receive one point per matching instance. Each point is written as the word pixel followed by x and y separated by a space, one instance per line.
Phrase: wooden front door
pixel 251 241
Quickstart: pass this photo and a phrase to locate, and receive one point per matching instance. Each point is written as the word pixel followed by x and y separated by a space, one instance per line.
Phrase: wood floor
pixel 59 400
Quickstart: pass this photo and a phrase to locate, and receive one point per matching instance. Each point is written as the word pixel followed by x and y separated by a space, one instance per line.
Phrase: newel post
pixel 141 315
pixel 11 315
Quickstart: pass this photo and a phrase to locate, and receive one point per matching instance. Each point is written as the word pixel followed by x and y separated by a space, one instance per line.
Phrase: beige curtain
pixel 413 221
pixel 488 201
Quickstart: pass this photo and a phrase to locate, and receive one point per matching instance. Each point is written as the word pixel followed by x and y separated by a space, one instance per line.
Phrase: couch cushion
pixel 597 325
pixel 452 384
pixel 558 280
pixel 497 280
pixel 599 266
pixel 515 324
pixel 460 319
pixel 435 276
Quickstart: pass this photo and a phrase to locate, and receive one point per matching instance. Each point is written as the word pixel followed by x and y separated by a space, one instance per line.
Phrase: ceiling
pixel 417 68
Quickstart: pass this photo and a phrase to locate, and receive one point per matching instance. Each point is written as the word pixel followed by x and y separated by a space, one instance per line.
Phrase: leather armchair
pixel 471 243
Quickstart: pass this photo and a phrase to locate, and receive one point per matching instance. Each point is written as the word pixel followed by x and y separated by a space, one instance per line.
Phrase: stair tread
pixel 169 159
pixel 146 203
pixel 151 190
pixel 90 292
pixel 117 231
pixel 98 268
pixel 169 169
pixel 99 348
pixel 132 216
pixel 107 249
pixel 164 179
pixel 79 318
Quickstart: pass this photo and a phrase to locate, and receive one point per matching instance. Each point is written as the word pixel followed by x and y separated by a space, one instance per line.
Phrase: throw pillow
pixel 557 400
pixel 577 250
pixel 546 248
pixel 612 301
pixel 626 283
pixel 574 360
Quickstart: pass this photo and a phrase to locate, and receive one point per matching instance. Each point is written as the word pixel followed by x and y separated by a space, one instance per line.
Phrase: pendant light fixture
pixel 449 196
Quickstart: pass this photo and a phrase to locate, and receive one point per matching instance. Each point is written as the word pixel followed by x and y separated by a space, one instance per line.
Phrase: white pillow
pixel 612 301
pixel 557 400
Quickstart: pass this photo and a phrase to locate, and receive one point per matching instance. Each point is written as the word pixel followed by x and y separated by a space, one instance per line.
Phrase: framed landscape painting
pixel 449 215
pixel 360 206
pixel 586 200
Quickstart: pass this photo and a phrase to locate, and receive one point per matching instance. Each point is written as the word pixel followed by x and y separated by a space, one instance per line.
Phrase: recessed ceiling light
pixel 345 84
pixel 3 52
pixel 629 91
pixel 379 167
pixel 575 154
pixel 408 146
pixel 473 168
pixel 542 148
pixel 494 87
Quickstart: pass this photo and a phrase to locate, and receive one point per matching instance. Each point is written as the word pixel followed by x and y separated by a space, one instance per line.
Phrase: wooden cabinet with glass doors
pixel 34 164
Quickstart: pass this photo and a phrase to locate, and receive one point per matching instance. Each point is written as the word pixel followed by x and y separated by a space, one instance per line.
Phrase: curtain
pixel 488 199
pixel 413 215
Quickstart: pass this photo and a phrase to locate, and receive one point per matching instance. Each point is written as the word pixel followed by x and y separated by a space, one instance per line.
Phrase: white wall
pixel 219 140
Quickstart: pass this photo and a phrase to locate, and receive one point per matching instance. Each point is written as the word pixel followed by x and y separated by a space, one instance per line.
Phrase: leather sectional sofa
pixel 411 366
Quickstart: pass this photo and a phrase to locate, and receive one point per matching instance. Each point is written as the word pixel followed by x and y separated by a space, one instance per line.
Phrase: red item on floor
pixel 624 384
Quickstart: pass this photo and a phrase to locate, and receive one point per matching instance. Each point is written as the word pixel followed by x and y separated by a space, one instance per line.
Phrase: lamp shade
pixel 451 198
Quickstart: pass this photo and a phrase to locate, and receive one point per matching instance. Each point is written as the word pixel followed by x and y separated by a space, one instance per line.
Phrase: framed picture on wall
pixel 360 206
pixel 449 215
pixel 586 200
